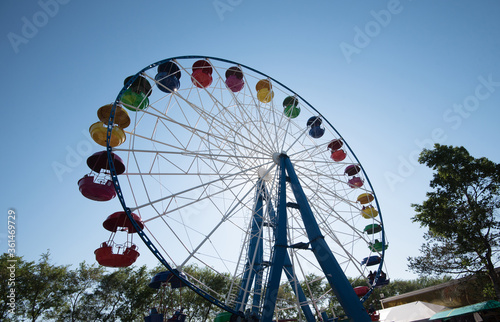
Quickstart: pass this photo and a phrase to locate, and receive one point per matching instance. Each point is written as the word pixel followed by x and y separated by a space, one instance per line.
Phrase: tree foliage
pixel 13 270
pixel 461 214
pixel 39 287
pixel 81 284
pixel 48 292
pixel 93 293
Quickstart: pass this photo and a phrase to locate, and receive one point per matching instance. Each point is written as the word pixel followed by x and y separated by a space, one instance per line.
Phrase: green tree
pixel 121 295
pixel 81 284
pixel 461 215
pixel 40 288
pixel 13 271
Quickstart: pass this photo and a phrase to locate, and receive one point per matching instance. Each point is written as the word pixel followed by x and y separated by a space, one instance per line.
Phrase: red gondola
pixel 202 74
pixel 338 155
pixel 361 290
pixel 106 257
pixel 203 66
pixel 112 254
pixel 335 145
pixel 201 79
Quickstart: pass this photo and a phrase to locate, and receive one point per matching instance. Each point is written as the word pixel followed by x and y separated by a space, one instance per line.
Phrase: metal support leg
pixel 333 272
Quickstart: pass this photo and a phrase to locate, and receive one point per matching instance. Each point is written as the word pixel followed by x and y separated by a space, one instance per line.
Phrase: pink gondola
pixel 98 191
pixel 352 169
pixel 355 182
pixel 234 79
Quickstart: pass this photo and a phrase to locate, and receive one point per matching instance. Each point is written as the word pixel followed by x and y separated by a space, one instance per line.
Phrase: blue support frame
pixel 280 260
pixel 290 274
pixel 331 268
pixel 255 257
pixel 279 252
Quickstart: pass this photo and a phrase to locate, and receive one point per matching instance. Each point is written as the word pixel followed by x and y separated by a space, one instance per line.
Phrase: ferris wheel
pixel 220 166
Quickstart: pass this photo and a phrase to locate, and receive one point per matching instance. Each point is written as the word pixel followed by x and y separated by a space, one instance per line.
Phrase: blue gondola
pixel 316 132
pixel 167 277
pixel 370 261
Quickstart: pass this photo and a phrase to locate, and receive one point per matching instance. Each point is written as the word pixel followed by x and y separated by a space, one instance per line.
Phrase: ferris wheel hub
pixel 276 157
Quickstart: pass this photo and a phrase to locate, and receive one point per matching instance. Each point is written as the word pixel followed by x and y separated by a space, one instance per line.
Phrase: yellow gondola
pixel 365 198
pixel 265 95
pixel 369 212
pixel 263 83
pixel 121 116
pixel 98 132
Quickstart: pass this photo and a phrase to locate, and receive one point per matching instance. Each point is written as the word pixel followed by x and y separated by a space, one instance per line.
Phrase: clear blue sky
pixel 390 76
